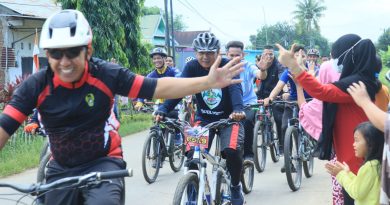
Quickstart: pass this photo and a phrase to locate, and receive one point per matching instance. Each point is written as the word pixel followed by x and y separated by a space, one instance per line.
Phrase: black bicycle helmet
pixel 158 51
pixel 206 42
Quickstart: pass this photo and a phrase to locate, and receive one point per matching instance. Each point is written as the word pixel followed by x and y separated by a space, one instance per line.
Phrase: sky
pixel 238 19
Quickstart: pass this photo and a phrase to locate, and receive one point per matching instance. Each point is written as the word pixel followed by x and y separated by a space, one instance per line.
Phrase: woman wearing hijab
pixel 355 58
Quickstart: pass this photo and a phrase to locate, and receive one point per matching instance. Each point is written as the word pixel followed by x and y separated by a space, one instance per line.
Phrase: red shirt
pixel 348 116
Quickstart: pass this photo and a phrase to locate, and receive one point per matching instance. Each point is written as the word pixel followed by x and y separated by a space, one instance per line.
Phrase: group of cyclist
pixel 75 95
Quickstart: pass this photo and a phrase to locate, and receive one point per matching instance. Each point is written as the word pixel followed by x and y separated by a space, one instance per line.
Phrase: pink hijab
pixel 310 114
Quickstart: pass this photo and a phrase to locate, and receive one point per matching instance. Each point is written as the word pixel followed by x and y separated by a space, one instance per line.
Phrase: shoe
pixel 283 169
pixel 237 197
pixel 154 164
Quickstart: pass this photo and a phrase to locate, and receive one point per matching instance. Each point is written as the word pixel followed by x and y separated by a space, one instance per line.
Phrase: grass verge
pixel 22 151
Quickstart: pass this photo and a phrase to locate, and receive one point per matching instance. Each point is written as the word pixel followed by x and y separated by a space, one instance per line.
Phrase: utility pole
pixel 173 35
pixel 167 44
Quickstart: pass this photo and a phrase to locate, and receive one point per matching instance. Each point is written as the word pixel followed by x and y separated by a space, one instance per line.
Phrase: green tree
pixel 384 40
pixel 178 22
pixel 308 14
pixel 281 32
pixel 114 35
pixel 154 10
pixel 385 56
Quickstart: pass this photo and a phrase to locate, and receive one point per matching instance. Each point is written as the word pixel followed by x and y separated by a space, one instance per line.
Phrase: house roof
pixel 149 25
pixel 185 38
pixel 32 8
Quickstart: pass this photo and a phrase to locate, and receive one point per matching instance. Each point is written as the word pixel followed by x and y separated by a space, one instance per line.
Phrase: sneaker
pixel 283 169
pixel 237 198
pixel 154 164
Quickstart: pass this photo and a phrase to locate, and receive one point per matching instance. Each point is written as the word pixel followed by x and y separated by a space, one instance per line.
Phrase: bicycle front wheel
pixel 308 166
pixel 259 147
pixel 292 161
pixel 187 190
pixel 151 158
pixel 176 155
pixel 247 176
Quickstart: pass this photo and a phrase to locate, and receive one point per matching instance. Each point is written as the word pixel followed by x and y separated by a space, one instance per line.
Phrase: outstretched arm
pixel 218 78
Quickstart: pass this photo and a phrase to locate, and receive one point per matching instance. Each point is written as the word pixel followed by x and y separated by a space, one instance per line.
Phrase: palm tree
pixel 308 14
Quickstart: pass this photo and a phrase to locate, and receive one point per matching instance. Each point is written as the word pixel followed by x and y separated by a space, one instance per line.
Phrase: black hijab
pixel 358 57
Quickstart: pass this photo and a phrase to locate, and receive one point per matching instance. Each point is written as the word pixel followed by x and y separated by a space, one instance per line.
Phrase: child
pixel 363 187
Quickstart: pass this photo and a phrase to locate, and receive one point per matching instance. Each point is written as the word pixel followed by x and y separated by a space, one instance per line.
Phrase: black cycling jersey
pixel 75 115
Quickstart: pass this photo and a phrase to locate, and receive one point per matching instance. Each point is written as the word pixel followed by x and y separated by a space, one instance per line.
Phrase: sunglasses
pixel 69 53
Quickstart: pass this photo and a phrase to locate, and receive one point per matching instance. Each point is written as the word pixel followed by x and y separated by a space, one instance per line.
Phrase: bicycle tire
pixel 152 139
pixel 259 149
pixel 247 171
pixel 291 158
pixel 41 173
pixel 185 182
pixel 275 156
pixel 308 165
pixel 176 154
pixel 222 190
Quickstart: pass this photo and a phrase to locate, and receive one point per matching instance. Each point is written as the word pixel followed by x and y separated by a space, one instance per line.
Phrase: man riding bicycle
pixel 216 104
pixel 74 96
pixel 251 71
pixel 161 70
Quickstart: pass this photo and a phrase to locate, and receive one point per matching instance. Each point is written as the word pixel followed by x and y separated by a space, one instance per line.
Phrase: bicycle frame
pixel 201 157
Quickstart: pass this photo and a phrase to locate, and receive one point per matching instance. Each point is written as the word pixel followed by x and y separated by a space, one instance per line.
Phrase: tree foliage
pixel 116 30
pixel 385 56
pixel 308 14
pixel 287 34
pixel 384 40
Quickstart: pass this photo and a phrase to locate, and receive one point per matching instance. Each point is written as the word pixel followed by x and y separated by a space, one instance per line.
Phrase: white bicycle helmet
pixel 313 51
pixel 158 51
pixel 65 29
pixel 206 42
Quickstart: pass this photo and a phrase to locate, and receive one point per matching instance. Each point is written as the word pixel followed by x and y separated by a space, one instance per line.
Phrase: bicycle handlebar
pixel 69 182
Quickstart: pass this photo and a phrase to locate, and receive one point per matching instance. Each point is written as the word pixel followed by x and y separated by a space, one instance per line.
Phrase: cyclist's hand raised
pixel 222 77
pixel 31 128
pixel 237 115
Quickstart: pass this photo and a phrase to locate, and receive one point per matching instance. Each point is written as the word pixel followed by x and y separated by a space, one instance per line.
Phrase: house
pixel 153 30
pixel 19 21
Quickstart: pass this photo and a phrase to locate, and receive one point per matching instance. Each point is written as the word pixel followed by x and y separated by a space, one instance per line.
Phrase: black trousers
pixel 249 124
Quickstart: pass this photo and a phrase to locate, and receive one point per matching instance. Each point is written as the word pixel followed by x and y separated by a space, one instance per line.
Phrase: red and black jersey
pixel 75 114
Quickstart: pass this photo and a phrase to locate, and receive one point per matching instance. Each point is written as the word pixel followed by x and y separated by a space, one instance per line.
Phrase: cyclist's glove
pixel 31 128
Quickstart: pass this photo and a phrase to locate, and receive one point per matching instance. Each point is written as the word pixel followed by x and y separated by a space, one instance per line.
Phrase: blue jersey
pixel 248 75
pixel 293 89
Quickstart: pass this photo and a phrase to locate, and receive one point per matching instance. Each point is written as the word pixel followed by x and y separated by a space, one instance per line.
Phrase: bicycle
pixel 265 135
pixel 160 144
pixel 194 187
pixel 89 180
pixel 298 151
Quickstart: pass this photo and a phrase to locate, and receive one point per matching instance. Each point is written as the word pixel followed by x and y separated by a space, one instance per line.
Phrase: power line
pixel 194 10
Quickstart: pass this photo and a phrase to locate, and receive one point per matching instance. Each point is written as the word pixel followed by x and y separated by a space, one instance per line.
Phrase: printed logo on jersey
pixel 90 99
pixel 212 97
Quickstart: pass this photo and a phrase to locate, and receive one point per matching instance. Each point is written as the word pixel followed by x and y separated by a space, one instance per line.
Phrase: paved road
pixel 270 187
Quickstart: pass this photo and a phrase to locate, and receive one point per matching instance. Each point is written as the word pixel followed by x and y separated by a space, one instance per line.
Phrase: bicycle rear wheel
pixel 247 176
pixel 151 157
pixel 274 146
pixel 259 148
pixel 292 162
pixel 41 173
pixel 176 155
pixel 187 190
